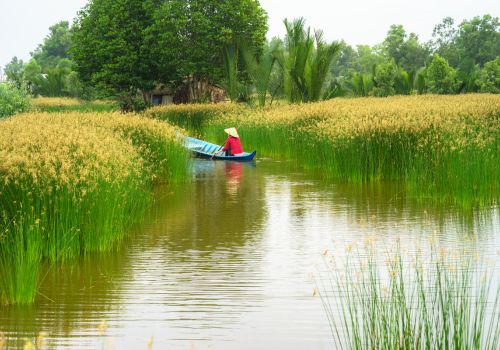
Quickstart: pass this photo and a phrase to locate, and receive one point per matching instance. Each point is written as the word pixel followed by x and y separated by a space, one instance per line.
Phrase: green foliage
pixel 55 46
pixel 466 47
pixel 130 102
pixel 478 41
pixel 405 82
pixel 230 59
pixel 419 80
pixel 188 38
pixel 443 43
pixel 489 80
pixel 367 58
pixel 468 81
pixel 405 49
pixel 128 46
pixel 260 68
pixel 385 79
pixel 84 106
pixel 473 42
pixel 14 71
pixel 12 100
pixel 53 82
pixel 108 36
pixel 306 62
pixel 32 74
pixel 335 89
pixel 298 48
pixel 50 71
pixel 319 66
pixel 440 77
pixel 361 84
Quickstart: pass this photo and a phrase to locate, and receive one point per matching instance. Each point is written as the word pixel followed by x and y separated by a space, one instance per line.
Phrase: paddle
pixel 215 153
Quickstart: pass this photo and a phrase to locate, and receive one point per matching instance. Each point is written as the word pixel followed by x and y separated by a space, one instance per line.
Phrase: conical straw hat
pixel 232 132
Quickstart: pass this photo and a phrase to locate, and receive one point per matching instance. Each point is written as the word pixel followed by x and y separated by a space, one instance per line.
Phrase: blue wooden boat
pixel 205 149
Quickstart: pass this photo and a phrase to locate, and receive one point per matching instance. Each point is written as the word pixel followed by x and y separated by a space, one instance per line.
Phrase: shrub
pixel 385 79
pixel 441 78
pixel 12 100
pixel 489 80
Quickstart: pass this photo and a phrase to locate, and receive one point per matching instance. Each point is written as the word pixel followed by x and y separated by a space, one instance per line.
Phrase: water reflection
pixel 225 261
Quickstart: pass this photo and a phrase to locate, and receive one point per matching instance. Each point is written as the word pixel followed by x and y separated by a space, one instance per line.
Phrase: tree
pixel 260 69
pixel 394 41
pixel 32 76
pixel 440 77
pixel 361 84
pixel 385 79
pixel 54 82
pixel 489 79
pixel 12 100
pixel 443 43
pixel 188 37
pixel 415 55
pixel 478 41
pixel 14 70
pixel 405 81
pixel 230 59
pixel 345 62
pixel 368 57
pixel 54 47
pixel 306 62
pixel 405 49
pixel 108 46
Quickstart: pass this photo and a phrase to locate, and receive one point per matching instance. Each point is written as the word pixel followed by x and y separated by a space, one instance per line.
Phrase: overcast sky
pixel 24 23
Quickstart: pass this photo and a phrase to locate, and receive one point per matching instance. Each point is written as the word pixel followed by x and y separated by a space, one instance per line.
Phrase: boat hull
pixel 208 150
pixel 245 157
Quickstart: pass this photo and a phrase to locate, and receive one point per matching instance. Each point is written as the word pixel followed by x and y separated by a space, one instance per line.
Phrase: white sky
pixel 24 23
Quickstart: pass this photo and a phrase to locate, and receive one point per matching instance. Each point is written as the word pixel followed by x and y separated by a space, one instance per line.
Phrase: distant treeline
pixel 458 59
pixel 125 48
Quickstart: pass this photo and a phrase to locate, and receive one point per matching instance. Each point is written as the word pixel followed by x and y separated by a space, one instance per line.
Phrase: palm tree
pixel 230 56
pixel 319 66
pixel 260 69
pixel 305 62
pixel 361 84
pixel 405 81
pixel 298 47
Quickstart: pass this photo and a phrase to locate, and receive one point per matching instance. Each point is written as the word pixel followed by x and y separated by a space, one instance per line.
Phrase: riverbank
pixel 72 184
pixel 444 148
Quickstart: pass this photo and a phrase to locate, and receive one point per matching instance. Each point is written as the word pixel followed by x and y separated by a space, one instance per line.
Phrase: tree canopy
pixel 54 47
pixel 124 47
pixel 130 44
pixel 108 40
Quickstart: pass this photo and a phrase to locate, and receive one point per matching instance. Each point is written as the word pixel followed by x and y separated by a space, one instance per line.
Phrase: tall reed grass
pixel 447 299
pixel 445 148
pixel 71 184
pixel 66 104
pixel 193 117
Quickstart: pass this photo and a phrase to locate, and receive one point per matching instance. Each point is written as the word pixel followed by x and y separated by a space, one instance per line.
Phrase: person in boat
pixel 232 146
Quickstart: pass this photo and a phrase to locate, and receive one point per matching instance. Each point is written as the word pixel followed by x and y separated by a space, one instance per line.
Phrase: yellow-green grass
pixel 445 148
pixel 67 104
pixel 71 184
pixel 441 299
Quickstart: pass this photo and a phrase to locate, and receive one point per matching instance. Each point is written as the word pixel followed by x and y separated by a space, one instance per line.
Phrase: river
pixel 228 261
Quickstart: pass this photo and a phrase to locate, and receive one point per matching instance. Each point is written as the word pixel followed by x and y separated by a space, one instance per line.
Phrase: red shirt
pixel 234 145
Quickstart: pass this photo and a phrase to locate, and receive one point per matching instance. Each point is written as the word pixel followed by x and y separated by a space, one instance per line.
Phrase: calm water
pixel 226 261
